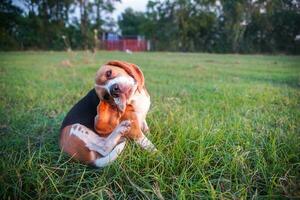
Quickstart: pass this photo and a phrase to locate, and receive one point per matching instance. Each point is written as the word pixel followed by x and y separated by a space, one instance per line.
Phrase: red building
pixel 114 42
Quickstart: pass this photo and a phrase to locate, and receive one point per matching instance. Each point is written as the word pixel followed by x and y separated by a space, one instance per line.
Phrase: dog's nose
pixel 115 90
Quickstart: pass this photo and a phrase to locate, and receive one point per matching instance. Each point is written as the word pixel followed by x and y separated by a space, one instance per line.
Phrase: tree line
pixel 222 26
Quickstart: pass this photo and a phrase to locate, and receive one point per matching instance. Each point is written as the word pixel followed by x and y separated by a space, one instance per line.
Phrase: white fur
pixel 111 157
pixel 119 103
pixel 129 81
pixel 141 104
pixel 91 140
pixel 99 144
pixel 145 143
pixel 120 80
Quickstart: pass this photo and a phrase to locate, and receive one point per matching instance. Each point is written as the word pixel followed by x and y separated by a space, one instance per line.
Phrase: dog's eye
pixel 108 73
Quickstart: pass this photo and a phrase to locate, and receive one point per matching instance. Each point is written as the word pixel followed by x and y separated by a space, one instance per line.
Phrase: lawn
pixel 226 126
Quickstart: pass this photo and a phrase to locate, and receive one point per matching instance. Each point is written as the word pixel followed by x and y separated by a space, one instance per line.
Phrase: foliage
pixel 244 26
pixel 226 126
pixel 131 22
pixel 238 26
pixel 43 23
pixel 10 17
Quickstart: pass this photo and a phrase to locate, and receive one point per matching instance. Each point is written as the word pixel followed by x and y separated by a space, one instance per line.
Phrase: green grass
pixel 226 126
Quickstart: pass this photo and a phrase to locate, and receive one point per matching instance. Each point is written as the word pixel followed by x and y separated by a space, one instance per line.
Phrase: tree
pixel 161 27
pixel 131 22
pixel 43 23
pixel 242 26
pixel 10 17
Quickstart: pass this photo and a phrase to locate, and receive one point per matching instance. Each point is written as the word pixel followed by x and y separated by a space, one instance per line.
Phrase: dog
pixel 95 130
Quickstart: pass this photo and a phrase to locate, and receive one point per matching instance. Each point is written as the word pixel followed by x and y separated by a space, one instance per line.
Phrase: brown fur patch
pixel 76 147
pixel 109 117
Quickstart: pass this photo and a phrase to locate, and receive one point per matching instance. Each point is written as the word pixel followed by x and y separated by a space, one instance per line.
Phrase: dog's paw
pixel 124 127
pixel 145 127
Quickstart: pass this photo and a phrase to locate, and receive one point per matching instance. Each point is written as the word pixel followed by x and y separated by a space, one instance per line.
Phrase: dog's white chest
pixel 141 104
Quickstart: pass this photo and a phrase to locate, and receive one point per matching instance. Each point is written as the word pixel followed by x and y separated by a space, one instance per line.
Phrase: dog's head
pixel 117 81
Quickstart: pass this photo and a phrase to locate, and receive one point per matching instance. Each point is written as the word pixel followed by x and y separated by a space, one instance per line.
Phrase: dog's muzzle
pixel 120 89
pixel 115 90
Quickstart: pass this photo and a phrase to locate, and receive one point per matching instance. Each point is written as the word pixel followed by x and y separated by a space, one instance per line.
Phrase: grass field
pixel 226 126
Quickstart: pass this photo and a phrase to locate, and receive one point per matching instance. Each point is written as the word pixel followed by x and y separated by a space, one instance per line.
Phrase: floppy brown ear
pixel 107 118
pixel 132 69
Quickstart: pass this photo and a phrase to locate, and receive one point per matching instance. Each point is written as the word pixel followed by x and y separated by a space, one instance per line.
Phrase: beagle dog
pixel 95 130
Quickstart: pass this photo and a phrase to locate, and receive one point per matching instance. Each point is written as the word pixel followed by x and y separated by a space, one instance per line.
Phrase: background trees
pixel 42 24
pixel 244 26
pixel 238 26
pixel 131 22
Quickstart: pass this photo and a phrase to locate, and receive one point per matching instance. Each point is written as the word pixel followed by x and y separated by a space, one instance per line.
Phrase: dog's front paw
pixel 124 127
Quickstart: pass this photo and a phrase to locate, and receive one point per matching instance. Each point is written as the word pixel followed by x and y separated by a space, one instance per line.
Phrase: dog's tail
pixel 112 156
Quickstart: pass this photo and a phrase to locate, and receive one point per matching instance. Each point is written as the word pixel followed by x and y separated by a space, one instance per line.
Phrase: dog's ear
pixel 132 69
pixel 107 118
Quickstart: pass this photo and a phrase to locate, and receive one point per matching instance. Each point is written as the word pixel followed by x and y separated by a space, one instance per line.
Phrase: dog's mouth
pixel 121 96
pixel 116 94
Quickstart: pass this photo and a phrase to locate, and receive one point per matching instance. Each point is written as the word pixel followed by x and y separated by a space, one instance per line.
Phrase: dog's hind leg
pixel 112 156
pixel 85 145
pixel 112 140
pixel 100 144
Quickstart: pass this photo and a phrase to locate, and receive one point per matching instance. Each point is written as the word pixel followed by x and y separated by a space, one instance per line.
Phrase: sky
pixel 137 5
